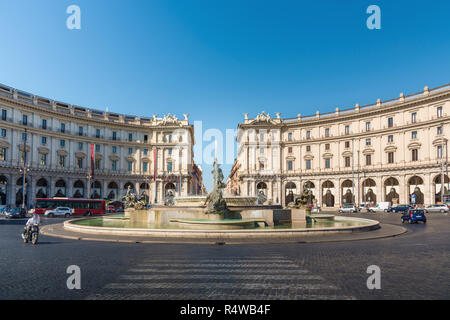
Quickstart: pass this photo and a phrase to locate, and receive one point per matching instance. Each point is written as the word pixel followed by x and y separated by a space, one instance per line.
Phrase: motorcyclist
pixel 34 220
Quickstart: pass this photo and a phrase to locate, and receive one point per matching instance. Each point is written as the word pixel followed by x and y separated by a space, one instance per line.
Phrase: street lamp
pixel 24 170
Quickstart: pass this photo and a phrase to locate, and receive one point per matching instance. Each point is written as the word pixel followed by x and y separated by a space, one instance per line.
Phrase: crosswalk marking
pixel 224 278
pixel 218 277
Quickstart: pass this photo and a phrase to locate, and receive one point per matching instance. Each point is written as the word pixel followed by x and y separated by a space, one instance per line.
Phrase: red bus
pixel 86 207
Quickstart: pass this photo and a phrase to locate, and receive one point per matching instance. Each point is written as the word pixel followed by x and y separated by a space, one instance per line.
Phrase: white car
pixel 381 207
pixel 348 208
pixel 60 211
pixel 437 208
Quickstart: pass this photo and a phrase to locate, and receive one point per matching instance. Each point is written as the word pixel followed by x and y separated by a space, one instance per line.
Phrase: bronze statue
pixel 215 202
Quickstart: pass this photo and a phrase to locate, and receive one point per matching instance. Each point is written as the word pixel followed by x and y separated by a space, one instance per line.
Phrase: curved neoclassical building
pixel 392 150
pixel 57 137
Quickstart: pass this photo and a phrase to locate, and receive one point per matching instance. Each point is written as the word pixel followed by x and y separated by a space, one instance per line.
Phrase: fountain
pixel 219 216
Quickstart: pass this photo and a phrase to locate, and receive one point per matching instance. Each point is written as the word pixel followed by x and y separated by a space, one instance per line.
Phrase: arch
pixel 328 198
pixel 60 186
pixel 437 187
pixel 291 189
pixel 169 189
pixel 128 184
pixel 78 189
pixel 78 184
pixel 3 190
pixel 309 185
pixel 42 188
pixel 261 185
pixel 347 192
pixel 144 185
pixel 96 190
pixel 19 181
pixel 113 185
pixel 414 188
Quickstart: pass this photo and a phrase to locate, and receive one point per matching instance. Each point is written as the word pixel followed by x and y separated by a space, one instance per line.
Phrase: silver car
pixel 437 208
pixel 60 211
pixel 350 208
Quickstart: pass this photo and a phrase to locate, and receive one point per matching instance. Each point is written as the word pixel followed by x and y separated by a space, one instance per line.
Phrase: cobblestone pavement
pixel 413 266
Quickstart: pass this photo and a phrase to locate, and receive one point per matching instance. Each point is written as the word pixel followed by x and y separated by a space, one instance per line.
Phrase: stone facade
pixel 58 139
pixel 380 152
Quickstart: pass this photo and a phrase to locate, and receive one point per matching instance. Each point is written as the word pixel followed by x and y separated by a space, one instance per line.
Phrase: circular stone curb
pixel 223 234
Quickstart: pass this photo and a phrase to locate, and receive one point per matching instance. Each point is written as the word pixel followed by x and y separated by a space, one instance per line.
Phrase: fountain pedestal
pixel 298 217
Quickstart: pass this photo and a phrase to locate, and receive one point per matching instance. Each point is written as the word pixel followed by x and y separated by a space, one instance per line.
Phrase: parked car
pixel 15 213
pixel 363 205
pixel 348 208
pixel 400 208
pixel 60 211
pixel 414 216
pixel 381 207
pixel 437 208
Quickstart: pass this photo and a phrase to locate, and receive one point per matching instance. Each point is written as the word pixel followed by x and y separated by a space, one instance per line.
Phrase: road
pixel 415 265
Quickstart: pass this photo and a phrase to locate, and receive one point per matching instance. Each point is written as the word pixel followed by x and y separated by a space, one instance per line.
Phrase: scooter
pixel 31 234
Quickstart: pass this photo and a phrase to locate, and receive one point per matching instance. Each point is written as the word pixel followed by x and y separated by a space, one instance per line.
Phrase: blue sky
pixel 218 59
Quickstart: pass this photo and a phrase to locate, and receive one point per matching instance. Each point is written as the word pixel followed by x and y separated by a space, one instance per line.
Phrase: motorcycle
pixel 31 234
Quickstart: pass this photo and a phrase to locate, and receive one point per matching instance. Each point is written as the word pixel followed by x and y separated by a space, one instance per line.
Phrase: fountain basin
pixel 225 224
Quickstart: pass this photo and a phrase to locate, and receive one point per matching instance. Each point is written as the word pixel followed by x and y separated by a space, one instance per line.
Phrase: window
pixel 390 122
pixel 24 136
pixel 439 112
pixel 308 164
pixel 130 150
pixel 290 165
pixel 3 133
pixel 261 150
pixel 390 157
pixel 261 136
pixel 347 144
pixel 308 148
pixel 97 164
pixel 327 163
pixel 62 161
pixel 390 138
pixel 3 114
pixel 44 140
pixel 367 126
pixel 63 127
pixel 97 133
pixel 347 161
pixel 368 142
pixel 80 163
pixel 130 166
pixel 439 130
pixel 261 165
pixel 97 148
pixel 327 146
pixel 62 143
pixel 347 129
pixel 170 151
pixel 414 154
pixel 169 166
pixel 130 137
pixel 414 135
pixel 80 145
pixel 368 160
pixel 3 154
pixel 308 134
pixel 414 117
pixel 170 138
pixel 114 165
pixel 327 132
pixel 145 166
pixel 290 136
pixel 439 152
pixel 43 160
pixel 25 120
pixel 145 138
pixel 114 135
pixel 114 149
pixel 290 150
pixel 44 124
pixel 145 152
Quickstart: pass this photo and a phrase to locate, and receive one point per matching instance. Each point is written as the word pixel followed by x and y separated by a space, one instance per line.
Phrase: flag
pixel 154 164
